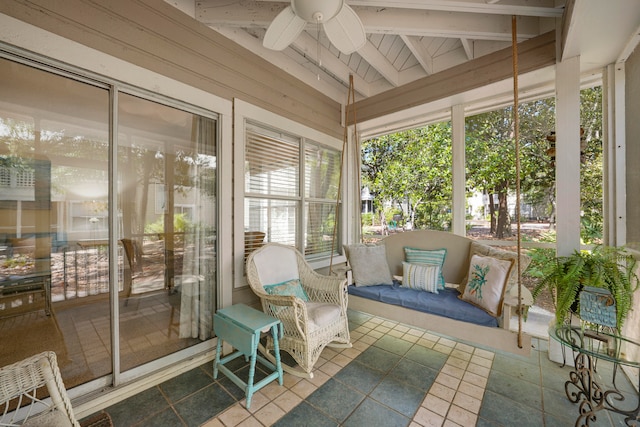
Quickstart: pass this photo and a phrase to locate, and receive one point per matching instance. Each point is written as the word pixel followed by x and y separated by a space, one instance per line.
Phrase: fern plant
pixel 606 267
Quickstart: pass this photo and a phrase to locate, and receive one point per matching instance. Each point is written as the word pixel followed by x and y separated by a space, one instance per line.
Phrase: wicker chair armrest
pixel 321 288
pixel 290 310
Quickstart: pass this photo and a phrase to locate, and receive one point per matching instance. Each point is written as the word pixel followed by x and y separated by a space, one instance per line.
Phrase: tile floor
pixel 394 375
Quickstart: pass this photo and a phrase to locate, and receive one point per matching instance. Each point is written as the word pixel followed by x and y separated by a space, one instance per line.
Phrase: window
pixel 291 186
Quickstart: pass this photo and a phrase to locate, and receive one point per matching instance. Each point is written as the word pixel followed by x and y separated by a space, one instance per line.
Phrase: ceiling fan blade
pixel 284 29
pixel 345 31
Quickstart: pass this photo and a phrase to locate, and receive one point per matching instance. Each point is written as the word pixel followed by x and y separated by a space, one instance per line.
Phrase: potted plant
pixel 607 267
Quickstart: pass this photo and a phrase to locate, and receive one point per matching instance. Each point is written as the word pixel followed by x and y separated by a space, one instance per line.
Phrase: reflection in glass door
pixel 54 181
pixel 166 164
pixel 55 236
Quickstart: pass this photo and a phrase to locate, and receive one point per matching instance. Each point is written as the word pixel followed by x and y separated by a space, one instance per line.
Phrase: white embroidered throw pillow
pixel 487 282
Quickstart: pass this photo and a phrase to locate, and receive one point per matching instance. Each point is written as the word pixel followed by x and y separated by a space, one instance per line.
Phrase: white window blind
pixel 280 184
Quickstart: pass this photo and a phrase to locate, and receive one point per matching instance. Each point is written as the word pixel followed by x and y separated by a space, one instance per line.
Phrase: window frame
pixel 245 113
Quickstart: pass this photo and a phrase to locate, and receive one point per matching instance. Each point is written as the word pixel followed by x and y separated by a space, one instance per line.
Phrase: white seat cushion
pixel 276 264
pixel 322 314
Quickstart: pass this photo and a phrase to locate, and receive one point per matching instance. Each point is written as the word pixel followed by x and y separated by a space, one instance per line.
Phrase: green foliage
pixel 367 219
pixel 604 267
pixel 17 261
pixel 413 168
pixel 180 224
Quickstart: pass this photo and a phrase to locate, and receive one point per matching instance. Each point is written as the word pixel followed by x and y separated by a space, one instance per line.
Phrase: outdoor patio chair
pixel 312 307
pixel 22 386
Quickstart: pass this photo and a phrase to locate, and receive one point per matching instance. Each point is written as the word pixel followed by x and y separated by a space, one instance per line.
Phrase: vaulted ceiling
pixel 408 40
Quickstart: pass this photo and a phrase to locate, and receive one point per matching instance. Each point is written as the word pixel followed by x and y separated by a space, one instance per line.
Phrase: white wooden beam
pixel 309 46
pixel 412 22
pixel 421 54
pixel 458 207
pixel 445 24
pixel 541 8
pixel 468 47
pixel 378 61
pixel 332 89
pixel 568 156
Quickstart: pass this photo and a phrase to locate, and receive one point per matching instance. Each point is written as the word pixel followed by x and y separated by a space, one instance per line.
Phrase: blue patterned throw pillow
pixel 424 256
pixel 290 288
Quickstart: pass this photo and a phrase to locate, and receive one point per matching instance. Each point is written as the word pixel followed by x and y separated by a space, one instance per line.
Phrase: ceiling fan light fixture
pixel 341 24
pixel 309 9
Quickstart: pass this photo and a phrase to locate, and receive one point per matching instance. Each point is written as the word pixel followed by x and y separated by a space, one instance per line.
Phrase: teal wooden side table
pixel 240 326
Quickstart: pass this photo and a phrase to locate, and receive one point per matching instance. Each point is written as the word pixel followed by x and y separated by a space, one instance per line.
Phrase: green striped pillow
pixel 421 276
pixel 424 256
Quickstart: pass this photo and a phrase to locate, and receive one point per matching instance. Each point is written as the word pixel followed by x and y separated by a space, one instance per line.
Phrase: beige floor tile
pixel 410 338
pixel 329 368
pixel 389 324
pixel 395 333
pixel 319 378
pixel 448 342
pixel 448 380
pixel 449 423
pixel 461 354
pixel 401 328
pixel 435 404
pixel 462 416
pixel 427 418
pixel 269 414
pixel 375 334
pixel 475 379
pixel 273 390
pixel 465 347
pixel 250 422
pixel 484 353
pixel 288 400
pixel 426 343
pixel 341 360
pixel 458 363
pixel 430 337
pixel 452 370
pixel 442 348
pixel 351 353
pixel 213 422
pixel 481 361
pixel 329 353
pixel 443 392
pixel 304 388
pixel 383 329
pixel 471 390
pixel 289 380
pixel 362 330
pixel 369 339
pixel 234 415
pixel 355 336
pixel 373 322
pixel 467 402
pixel 416 332
pixel 258 400
pixel 480 370
pixel 360 345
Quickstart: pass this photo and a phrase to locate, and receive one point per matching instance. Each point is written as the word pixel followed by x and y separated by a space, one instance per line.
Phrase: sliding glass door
pixel 72 254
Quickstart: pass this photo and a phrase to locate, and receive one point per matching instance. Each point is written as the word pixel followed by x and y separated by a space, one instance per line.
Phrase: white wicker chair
pixel 308 326
pixel 19 383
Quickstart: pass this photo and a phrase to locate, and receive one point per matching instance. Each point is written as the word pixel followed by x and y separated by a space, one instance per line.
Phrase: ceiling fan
pixel 341 24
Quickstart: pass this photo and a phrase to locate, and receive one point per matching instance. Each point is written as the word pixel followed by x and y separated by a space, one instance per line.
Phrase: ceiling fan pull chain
pixel 318 48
